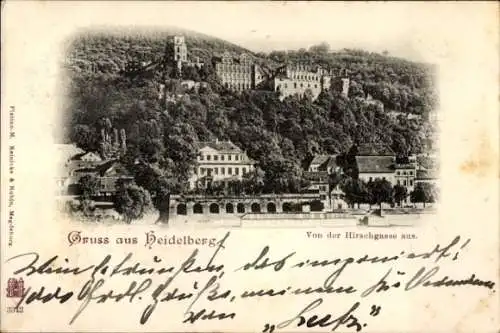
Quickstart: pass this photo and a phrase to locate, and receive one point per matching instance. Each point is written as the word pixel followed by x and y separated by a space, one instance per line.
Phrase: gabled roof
pixel 320 159
pixel 375 164
pixel 112 168
pixel 221 146
pixel 79 157
pixel 368 149
pixel 324 162
pixel 67 151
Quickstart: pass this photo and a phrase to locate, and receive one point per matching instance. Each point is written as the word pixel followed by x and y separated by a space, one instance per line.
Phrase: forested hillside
pixel 399 84
pixel 281 136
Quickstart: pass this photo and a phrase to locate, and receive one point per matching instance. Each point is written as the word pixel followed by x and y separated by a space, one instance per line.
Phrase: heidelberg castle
pixel 239 73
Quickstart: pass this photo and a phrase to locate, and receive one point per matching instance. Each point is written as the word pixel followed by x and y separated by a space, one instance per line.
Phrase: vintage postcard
pixel 249 167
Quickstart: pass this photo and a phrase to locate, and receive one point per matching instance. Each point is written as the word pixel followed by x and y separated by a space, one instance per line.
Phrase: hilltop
pixel 109 50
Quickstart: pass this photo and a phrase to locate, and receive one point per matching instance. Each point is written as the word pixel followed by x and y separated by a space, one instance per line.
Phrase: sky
pixel 403 29
pixel 420 31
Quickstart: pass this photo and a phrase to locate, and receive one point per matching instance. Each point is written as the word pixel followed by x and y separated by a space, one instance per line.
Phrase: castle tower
pixel 180 49
pixel 179 54
pixel 345 87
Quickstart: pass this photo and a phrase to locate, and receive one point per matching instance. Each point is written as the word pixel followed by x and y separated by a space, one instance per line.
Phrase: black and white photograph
pixel 250 166
pixel 174 126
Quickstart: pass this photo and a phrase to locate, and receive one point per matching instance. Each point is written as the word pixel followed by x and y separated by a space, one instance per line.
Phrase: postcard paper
pixel 249 167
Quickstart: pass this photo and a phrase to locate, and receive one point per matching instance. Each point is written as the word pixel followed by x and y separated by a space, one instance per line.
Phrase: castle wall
pixel 291 81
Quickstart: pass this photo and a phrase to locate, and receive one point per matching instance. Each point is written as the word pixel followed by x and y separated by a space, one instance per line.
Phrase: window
pixel 201 157
pixel 404 182
pixel 216 158
pixel 202 171
pixel 399 182
pixel 208 157
pixel 295 84
pixel 301 85
pixel 244 170
pixel 397 173
pixel 411 173
pixel 404 173
pixel 236 171
pixel 235 157
pixel 411 182
pixel 222 157
pixel 315 86
pixel 229 157
pixel 222 171
pixel 229 171
pixel 216 171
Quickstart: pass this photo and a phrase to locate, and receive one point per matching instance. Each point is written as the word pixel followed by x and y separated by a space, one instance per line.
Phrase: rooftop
pixel 325 162
pixel 320 159
pixel 67 151
pixel 221 146
pixel 375 164
pixel 368 149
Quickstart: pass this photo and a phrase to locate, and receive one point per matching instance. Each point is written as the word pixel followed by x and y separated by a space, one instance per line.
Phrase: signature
pixel 307 318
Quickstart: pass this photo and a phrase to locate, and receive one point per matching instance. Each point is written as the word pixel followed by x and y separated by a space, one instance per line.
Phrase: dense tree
pixel 85 137
pixel 355 190
pixel 320 48
pixel 191 73
pixel 89 186
pixel 400 193
pixel 380 191
pixel 423 193
pixel 253 182
pixel 132 201
pixel 160 183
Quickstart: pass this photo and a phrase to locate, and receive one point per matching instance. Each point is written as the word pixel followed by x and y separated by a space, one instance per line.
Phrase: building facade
pixel 297 79
pixel 238 73
pixel 180 48
pixel 219 161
